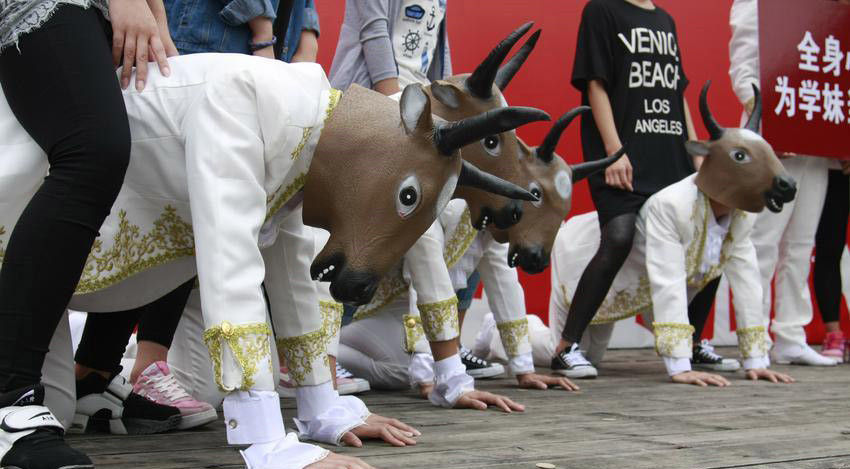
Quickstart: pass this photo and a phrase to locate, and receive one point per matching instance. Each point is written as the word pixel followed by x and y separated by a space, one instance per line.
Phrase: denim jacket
pixel 221 25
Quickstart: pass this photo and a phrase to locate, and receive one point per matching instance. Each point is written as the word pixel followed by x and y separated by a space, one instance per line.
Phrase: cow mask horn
pixel 506 72
pixel 480 83
pixel 546 151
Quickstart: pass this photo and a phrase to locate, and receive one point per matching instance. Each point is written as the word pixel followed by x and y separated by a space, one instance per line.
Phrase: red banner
pixel 804 53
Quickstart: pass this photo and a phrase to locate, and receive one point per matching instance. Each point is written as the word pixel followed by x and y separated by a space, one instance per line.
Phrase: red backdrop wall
pixel 477 25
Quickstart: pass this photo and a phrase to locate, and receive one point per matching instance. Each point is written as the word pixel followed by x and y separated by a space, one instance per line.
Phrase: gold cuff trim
pixel 249 344
pixel 752 341
pixel 413 332
pixel 514 334
pixel 331 312
pixel 670 336
pixel 460 239
pixel 439 320
pixel 302 352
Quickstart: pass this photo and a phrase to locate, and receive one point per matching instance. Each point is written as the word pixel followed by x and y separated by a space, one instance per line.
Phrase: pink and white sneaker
pixel 286 386
pixel 159 385
pixel 834 345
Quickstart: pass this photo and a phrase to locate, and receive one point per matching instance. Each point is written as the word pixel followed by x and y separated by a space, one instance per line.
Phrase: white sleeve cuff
pixel 676 366
pixel 755 363
pixel 285 453
pixel 421 369
pixel 452 382
pixel 521 364
pixel 324 415
pixel 253 417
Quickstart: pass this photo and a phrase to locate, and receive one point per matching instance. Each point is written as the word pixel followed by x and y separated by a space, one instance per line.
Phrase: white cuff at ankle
pixel 677 365
pixel 253 417
pixel 521 364
pixel 754 363
pixel 452 382
pixel 313 400
pixel 325 416
pixel 421 369
pixel 285 453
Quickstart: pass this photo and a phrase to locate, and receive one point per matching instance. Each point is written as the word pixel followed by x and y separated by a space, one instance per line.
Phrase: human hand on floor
pixel 339 461
pixel 377 427
pixel 769 375
pixel 700 378
pixel 481 400
pixel 536 381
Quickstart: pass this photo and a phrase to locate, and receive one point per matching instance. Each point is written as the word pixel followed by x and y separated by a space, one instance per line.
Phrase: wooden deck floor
pixel 631 417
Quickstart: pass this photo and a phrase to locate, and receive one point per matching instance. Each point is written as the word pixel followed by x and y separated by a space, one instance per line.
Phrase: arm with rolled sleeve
pixel 744 50
pixel 665 265
pixel 375 39
pixel 743 273
pixel 507 301
pixel 311 18
pixel 239 12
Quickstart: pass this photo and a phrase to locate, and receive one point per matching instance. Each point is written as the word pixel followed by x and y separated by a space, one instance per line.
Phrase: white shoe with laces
pixel 572 364
pixel 799 355
pixel 346 383
pixel 158 384
pixel 706 358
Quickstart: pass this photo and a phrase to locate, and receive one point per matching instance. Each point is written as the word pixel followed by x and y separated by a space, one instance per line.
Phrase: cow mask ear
pixel 696 148
pixel 415 107
pixel 447 94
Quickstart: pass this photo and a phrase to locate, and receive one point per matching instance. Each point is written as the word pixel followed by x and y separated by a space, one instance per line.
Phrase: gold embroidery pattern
pixel 693 258
pixel 624 304
pixel 461 239
pixel 249 344
pixel 752 341
pixel 305 135
pixel 389 288
pixel 413 332
pixel 331 318
pixel 514 334
pixel 282 195
pixel 301 353
pixel 439 320
pixel 132 252
pixel 672 336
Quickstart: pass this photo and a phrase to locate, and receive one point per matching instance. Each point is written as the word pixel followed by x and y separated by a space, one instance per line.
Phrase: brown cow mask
pixel 551 179
pixel 461 96
pixel 376 188
pixel 740 170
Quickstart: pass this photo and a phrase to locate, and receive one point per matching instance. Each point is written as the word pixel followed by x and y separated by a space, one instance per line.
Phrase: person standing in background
pixel 783 241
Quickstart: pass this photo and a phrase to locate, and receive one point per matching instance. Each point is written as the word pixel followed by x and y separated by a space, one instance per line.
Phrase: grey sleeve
pixel 375 39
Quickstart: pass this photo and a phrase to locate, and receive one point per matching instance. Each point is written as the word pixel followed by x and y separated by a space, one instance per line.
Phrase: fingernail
pixel 125 82
pixel 166 71
pixel 140 85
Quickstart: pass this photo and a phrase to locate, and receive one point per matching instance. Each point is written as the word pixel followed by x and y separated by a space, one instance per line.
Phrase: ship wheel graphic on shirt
pixel 411 41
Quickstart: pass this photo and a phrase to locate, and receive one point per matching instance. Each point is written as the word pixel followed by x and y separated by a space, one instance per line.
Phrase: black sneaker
pixel 31 437
pixel 706 358
pixel 572 364
pixel 478 367
pixel 112 407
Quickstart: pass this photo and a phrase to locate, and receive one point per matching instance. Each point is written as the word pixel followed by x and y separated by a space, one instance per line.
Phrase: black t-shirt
pixel 635 53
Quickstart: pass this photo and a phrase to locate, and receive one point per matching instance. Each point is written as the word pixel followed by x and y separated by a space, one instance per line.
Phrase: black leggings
pixel 614 247
pixel 105 335
pixel 700 307
pixel 829 242
pixel 62 88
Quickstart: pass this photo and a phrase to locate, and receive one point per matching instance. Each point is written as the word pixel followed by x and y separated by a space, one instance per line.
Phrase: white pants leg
pixel 372 349
pixel 57 374
pixel 784 243
pixel 189 358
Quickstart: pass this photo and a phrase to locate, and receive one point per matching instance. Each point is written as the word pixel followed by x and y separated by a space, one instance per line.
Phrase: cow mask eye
pixel 535 190
pixel 492 144
pixel 740 157
pixel 408 196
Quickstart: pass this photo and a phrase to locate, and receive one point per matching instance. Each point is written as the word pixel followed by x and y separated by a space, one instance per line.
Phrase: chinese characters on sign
pixel 805 75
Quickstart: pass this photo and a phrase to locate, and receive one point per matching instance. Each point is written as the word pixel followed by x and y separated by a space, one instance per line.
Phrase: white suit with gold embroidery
pixel 220 150
pixel 678 249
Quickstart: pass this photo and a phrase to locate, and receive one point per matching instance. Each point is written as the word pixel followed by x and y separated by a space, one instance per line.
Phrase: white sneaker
pixel 572 364
pixel 800 355
pixel 347 383
pixel 706 358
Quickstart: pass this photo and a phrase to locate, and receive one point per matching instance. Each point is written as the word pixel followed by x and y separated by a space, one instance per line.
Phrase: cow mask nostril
pixel 785 187
pixel 508 216
pixel 532 260
pixel 353 287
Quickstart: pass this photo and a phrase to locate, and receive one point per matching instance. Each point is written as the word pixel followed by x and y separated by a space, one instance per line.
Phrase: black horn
pixel 450 136
pixel 583 170
pixel 480 83
pixel 755 116
pixel 546 150
pixel 506 72
pixel 714 129
pixel 474 177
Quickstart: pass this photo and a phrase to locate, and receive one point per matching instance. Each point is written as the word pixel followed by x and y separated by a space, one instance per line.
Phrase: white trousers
pixel 373 349
pixel 784 243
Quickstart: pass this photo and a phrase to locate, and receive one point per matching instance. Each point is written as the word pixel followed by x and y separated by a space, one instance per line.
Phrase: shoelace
pixel 707 350
pixel 168 386
pixel 574 357
pixel 466 354
pixel 342 372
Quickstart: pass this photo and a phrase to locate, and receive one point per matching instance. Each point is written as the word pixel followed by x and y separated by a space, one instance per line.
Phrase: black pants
pixel 700 307
pixel 829 242
pixel 105 335
pixel 62 88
